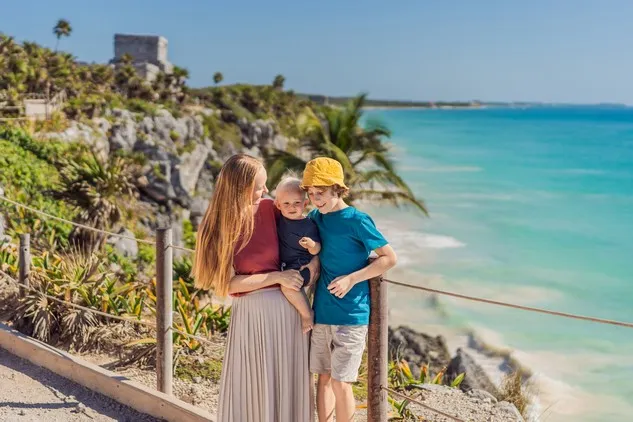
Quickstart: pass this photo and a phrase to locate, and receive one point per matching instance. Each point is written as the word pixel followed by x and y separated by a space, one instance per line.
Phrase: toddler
pixel 299 240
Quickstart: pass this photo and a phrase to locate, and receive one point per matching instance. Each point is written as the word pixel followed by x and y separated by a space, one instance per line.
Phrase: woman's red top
pixel 261 254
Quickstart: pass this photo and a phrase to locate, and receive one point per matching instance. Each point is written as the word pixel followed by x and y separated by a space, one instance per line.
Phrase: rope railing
pixel 378 325
pixel 83 226
pixel 103 314
pixel 511 305
pixel 419 403
pixel 398 283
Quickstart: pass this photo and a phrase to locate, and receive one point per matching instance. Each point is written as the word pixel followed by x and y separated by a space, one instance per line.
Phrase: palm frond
pixel 279 164
pixel 396 198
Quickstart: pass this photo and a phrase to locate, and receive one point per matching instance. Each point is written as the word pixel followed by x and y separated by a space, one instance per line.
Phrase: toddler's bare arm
pixel 313 247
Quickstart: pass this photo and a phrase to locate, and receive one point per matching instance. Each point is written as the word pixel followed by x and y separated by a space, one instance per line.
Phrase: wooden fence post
pixel 164 317
pixel 24 262
pixel 377 352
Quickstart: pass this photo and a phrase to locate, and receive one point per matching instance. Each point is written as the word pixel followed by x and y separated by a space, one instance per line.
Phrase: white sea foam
pixel 442 169
pixel 581 171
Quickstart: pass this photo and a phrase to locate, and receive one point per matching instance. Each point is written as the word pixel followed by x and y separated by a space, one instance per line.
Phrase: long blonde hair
pixel 229 219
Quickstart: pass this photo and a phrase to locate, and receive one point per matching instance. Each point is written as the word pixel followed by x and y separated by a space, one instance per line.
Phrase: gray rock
pixel 260 133
pixel 165 126
pixel 195 129
pixel 418 349
pixel 475 377
pixel 147 125
pixel 280 142
pixel 96 137
pixel 188 169
pixel 209 111
pixel 102 124
pixel 509 411
pixel 123 131
pixel 158 187
pixel 482 395
pixel 196 212
pixel 125 247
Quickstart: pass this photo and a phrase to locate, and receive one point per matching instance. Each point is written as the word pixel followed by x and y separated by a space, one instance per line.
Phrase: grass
pixel 221 132
pixel 514 391
pixel 190 368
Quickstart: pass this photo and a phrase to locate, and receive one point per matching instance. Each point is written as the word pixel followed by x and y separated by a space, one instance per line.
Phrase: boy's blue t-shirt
pixel 348 237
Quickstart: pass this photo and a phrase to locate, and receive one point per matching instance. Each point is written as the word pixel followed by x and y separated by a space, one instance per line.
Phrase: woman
pixel 265 374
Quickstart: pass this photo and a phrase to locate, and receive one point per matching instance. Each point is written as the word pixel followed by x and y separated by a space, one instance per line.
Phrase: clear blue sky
pixel 530 50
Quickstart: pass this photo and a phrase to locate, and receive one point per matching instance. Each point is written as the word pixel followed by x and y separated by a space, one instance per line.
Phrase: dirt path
pixel 29 393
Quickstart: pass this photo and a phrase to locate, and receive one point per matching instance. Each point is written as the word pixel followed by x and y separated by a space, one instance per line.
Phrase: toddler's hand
pixel 307 243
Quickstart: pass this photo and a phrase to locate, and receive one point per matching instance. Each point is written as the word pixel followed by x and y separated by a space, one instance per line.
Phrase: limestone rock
pixel 198 209
pixel 123 131
pixel 475 377
pixel 158 187
pixel 509 411
pixel 95 137
pixel 418 349
pixel 125 247
pixel 188 167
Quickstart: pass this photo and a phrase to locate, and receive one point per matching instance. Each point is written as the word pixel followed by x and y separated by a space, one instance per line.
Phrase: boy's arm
pixel 386 260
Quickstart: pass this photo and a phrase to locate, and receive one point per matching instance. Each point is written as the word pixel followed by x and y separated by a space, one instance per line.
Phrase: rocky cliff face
pixel 181 162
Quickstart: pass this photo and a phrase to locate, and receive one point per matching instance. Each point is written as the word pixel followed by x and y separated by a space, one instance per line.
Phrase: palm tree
pixel 100 190
pixel 62 29
pixel 218 77
pixel 365 157
pixel 278 82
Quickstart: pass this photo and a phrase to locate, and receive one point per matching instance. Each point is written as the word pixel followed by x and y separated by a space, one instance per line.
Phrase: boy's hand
pixel 307 243
pixel 341 285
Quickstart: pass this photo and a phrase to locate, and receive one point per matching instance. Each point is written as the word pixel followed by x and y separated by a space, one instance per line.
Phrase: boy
pixel 341 299
pixel 298 242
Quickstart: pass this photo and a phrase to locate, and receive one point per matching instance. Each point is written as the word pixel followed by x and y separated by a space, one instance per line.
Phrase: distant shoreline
pixel 420 107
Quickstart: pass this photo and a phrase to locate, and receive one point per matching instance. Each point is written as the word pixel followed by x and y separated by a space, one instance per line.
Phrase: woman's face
pixel 260 186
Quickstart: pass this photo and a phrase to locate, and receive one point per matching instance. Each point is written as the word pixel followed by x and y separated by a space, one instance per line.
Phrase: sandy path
pixel 29 393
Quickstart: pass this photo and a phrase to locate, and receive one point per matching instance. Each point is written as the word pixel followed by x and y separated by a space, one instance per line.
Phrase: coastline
pixel 421 107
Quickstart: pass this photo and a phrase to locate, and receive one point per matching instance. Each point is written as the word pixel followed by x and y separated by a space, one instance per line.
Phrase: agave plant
pixel 366 158
pixel 101 190
pixel 400 376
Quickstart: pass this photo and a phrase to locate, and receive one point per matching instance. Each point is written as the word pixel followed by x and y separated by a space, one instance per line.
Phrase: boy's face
pixel 291 204
pixel 324 198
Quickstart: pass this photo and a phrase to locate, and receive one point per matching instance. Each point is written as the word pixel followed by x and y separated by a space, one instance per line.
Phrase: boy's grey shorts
pixel 337 350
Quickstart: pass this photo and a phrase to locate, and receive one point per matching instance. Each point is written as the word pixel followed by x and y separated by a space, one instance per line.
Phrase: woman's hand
pixel 291 279
pixel 315 269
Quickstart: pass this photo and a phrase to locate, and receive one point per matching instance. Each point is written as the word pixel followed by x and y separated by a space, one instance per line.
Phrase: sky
pixel 573 51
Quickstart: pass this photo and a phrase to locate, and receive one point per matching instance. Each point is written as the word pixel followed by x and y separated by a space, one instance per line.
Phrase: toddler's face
pixel 291 204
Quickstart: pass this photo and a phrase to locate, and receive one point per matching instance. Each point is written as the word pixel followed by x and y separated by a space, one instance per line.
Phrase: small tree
pixel 218 77
pixel 62 29
pixel 278 82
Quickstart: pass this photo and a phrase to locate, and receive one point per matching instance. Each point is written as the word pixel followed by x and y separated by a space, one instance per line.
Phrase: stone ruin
pixel 148 52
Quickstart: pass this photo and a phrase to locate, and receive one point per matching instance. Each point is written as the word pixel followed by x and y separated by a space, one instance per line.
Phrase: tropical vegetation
pixel 70 182
pixel 365 156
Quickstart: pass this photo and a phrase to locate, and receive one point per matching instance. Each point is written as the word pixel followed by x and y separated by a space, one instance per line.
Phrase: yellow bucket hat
pixel 323 171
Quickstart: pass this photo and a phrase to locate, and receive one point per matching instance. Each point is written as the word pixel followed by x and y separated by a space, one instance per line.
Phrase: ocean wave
pixel 442 169
pixel 581 171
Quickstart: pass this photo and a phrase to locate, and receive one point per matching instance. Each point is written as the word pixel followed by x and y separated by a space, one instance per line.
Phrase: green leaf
pixel 458 380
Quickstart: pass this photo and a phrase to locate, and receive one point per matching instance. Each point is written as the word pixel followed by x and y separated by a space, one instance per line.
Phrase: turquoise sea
pixel 532 206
